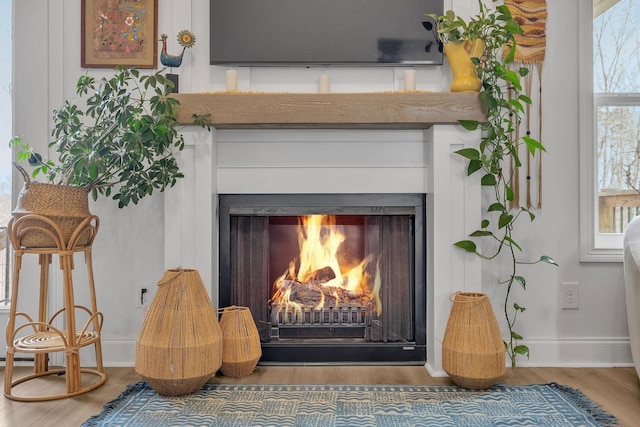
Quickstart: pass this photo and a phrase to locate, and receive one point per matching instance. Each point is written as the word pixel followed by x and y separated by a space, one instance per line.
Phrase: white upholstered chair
pixel 632 286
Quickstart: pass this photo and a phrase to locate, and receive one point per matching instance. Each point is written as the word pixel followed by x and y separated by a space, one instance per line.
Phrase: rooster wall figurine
pixel 185 39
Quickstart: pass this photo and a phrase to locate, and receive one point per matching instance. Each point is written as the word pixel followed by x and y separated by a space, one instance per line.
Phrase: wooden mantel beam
pixel 384 110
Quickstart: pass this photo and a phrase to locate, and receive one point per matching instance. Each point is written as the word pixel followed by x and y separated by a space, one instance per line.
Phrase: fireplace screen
pixel 327 277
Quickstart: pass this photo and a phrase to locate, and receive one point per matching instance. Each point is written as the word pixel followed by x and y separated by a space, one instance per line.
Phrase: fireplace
pixel 297 161
pixel 329 278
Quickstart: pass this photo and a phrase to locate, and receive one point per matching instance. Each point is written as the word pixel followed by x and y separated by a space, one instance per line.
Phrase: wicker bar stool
pixel 40 337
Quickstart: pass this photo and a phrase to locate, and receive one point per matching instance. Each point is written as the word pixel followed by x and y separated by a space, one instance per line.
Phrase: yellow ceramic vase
pixel 459 54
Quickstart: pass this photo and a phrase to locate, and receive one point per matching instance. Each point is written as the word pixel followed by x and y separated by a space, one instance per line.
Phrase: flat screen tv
pixel 324 32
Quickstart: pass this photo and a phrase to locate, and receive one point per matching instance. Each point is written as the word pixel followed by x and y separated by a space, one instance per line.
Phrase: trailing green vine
pixel 501 92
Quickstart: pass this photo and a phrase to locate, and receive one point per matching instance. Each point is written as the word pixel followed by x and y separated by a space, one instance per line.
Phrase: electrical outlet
pixel 570 294
pixel 143 298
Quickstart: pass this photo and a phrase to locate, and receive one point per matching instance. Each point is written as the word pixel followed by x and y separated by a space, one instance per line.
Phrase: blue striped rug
pixel 353 405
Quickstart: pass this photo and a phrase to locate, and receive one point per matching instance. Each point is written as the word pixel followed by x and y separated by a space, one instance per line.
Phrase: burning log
pixel 313 294
pixel 323 275
pixel 306 295
pixel 321 282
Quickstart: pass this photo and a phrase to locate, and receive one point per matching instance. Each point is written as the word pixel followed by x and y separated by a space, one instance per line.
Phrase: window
pixel 5 152
pixel 610 124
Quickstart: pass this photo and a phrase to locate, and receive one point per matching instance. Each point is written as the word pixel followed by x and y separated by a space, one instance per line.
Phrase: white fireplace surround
pixel 295 161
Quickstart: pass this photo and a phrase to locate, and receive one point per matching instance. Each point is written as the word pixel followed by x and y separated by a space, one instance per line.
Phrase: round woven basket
pixel 473 352
pixel 179 346
pixel 65 205
pixel 241 348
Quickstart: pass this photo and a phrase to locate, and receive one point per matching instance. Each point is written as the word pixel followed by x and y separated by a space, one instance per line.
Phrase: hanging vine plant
pixel 501 92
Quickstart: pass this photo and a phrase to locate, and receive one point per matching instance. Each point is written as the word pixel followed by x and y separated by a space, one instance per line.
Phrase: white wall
pixel 129 249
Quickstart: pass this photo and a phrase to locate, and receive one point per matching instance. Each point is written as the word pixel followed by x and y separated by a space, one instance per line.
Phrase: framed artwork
pixel 119 32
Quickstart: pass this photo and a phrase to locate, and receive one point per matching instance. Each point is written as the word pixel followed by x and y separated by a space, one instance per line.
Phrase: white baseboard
pixel 577 353
pixel 434 373
pixel 568 353
pixel 119 353
pixel 565 352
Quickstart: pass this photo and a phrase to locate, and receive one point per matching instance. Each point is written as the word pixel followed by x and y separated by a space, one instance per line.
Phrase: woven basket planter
pixel 473 352
pixel 179 345
pixel 241 348
pixel 66 205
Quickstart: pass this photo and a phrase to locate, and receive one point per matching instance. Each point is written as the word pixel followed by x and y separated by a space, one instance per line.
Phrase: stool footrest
pixel 46 342
pixel 101 378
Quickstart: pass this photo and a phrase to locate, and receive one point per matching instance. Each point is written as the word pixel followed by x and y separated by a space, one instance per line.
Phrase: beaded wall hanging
pixel 530 51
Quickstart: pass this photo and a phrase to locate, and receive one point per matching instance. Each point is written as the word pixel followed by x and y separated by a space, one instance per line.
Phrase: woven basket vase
pixel 473 352
pixel 179 345
pixel 241 348
pixel 65 205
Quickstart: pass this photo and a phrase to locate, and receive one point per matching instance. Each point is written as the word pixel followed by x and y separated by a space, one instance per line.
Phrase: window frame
pixel 594 246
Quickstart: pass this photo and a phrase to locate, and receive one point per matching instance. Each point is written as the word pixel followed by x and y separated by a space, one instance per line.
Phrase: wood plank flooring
pixel 616 390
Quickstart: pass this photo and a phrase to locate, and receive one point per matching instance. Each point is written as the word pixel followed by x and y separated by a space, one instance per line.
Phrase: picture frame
pixel 119 33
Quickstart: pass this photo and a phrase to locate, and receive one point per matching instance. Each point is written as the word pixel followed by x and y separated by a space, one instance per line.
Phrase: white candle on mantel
pixel 232 81
pixel 409 80
pixel 324 84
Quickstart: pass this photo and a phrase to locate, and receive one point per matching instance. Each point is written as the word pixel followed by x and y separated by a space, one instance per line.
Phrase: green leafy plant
pixel 493 28
pixel 498 147
pixel 118 137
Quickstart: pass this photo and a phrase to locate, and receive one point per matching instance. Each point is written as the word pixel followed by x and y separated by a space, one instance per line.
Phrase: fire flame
pixel 320 264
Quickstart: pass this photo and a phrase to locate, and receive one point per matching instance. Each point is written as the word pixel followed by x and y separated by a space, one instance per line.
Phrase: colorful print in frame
pixel 119 32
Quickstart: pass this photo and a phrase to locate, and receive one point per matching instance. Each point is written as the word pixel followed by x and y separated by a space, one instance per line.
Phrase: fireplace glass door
pixel 328 278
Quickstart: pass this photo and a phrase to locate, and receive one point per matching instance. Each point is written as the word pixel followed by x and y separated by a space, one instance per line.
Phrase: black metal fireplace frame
pixel 335 351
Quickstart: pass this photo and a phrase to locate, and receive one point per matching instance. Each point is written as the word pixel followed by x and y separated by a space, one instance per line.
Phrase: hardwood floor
pixel 616 390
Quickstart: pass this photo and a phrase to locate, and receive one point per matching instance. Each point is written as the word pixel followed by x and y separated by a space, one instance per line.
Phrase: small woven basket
pixel 179 345
pixel 241 348
pixel 65 205
pixel 473 352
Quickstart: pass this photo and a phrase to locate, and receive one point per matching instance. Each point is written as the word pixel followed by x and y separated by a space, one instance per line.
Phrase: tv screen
pixel 324 32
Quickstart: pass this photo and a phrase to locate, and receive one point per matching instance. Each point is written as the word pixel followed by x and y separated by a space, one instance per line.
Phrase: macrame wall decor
pixel 530 50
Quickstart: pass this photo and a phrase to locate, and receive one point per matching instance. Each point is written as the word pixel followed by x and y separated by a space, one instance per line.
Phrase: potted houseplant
pixel 117 139
pixel 466 43
pixel 497 148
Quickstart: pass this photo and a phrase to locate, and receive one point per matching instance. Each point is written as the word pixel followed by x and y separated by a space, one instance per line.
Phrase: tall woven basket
pixel 241 348
pixel 65 205
pixel 179 347
pixel 473 352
